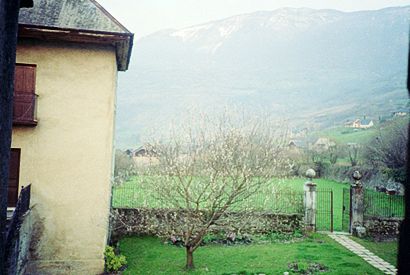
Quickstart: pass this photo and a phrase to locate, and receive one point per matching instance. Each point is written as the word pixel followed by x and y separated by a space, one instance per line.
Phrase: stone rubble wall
pixel 381 228
pixel 147 221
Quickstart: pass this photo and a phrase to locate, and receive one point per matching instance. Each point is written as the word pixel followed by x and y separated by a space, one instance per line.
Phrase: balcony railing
pixel 25 109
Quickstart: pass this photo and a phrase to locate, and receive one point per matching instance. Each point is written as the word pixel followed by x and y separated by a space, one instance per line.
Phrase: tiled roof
pixel 70 14
pixel 77 21
pixel 365 121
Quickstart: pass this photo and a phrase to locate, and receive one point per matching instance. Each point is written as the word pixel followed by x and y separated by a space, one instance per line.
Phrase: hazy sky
pixel 147 16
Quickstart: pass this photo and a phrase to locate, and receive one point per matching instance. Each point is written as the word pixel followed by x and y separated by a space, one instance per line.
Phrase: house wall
pixel 67 157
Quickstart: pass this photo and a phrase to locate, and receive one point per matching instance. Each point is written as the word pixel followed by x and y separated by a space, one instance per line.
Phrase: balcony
pixel 25 109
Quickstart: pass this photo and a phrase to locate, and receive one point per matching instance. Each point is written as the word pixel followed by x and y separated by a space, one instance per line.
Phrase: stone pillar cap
pixel 357 175
pixel 310 173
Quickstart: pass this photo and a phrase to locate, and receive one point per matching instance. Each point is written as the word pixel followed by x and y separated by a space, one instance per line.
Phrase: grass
pixel 343 135
pixel 385 250
pixel 148 255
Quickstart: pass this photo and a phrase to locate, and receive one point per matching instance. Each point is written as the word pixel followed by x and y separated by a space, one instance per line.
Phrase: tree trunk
pixel 189 258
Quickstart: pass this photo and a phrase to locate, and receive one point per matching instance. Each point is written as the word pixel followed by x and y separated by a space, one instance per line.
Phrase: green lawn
pixel 385 250
pixel 149 255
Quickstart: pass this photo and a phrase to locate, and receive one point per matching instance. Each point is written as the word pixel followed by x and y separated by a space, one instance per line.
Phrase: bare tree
pixel 318 159
pixel 208 172
pixel 333 155
pixel 353 152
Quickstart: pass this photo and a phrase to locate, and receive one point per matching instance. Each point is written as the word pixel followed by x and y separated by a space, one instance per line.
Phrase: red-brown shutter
pixel 14 174
pixel 24 94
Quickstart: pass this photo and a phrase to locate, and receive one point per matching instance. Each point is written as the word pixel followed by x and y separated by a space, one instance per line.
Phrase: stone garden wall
pixel 147 221
pixel 381 228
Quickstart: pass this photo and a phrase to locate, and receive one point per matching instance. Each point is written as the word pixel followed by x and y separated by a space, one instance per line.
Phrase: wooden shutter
pixel 24 94
pixel 14 174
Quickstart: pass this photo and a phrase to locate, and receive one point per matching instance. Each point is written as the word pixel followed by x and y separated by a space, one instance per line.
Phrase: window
pixel 24 108
pixel 14 174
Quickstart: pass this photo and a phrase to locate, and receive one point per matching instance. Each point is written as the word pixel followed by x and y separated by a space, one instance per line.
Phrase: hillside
pixel 311 67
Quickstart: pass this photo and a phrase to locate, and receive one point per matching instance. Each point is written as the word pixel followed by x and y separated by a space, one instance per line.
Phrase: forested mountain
pixel 316 67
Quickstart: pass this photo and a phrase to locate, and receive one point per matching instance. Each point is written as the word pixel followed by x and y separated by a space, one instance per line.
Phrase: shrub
pixel 387 151
pixel 113 262
pixel 124 167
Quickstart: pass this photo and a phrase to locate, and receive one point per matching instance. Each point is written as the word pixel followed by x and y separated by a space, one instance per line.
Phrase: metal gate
pixel 346 211
pixel 324 210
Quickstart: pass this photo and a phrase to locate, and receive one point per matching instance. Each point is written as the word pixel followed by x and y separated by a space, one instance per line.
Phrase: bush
pixel 124 167
pixel 388 150
pixel 113 262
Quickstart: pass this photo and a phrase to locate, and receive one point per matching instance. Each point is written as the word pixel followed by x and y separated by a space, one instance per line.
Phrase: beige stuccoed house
pixel 68 56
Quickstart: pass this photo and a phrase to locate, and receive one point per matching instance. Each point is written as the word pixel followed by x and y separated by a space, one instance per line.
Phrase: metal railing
pixel 378 204
pixel 13 229
pixel 25 109
pixel 324 210
pixel 289 202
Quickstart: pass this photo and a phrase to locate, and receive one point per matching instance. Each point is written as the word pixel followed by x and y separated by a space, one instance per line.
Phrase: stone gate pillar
pixel 357 201
pixel 310 201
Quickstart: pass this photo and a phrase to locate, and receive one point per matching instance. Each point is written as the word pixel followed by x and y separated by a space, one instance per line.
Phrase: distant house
pixel 292 145
pixel 295 145
pixel 401 112
pixel 323 144
pixel 145 155
pixel 129 152
pixel 144 151
pixel 360 124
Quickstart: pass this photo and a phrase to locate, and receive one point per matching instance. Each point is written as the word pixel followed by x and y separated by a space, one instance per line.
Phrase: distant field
pixel 343 135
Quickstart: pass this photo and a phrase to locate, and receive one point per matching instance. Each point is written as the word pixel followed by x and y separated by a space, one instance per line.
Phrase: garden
pixel 314 254
pixel 228 194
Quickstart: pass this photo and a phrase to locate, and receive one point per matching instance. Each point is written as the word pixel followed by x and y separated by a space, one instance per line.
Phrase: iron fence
pixel 346 209
pixel 289 202
pixel 324 210
pixel 13 230
pixel 378 204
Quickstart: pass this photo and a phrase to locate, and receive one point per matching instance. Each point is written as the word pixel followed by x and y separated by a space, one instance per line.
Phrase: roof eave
pixel 121 41
pixel 123 51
